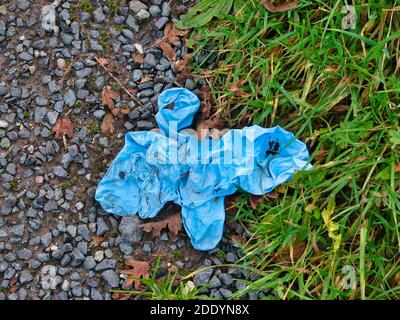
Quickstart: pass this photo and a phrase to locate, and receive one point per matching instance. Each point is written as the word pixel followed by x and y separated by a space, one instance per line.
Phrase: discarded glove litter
pixel 172 164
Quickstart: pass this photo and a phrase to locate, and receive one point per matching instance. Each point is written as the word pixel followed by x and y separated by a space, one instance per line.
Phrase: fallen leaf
pixel 104 61
pixel 183 63
pixel 340 108
pixel 107 125
pixel 169 52
pixel 137 58
pixel 205 106
pixel 96 241
pixel 204 129
pixel 63 127
pixel 397 170
pixel 120 296
pixel 120 112
pixel 173 222
pixel 140 269
pixel 292 253
pixel 172 34
pixel 108 96
pixel 281 7
pixel 255 201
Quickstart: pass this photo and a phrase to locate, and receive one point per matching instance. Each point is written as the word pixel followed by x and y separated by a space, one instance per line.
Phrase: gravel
pixel 55 240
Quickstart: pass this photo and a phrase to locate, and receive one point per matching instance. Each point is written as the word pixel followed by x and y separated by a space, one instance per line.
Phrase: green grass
pixel 338 91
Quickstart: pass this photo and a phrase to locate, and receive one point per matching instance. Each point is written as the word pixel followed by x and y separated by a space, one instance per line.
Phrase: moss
pixel 93 128
pixel 220 255
pixel 69 183
pixel 177 254
pixel 14 183
pixel 86 5
pixel 113 5
pixel 115 86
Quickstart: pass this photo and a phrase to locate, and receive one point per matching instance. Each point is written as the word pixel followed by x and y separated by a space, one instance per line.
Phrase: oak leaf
pixel 173 223
pixel 140 269
pixel 63 127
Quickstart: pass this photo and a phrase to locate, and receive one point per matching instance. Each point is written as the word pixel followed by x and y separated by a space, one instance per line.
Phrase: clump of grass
pixel 168 287
pixel 69 183
pixel 86 5
pixel 113 5
pixel 14 184
pixel 339 91
pixel 115 86
pixel 93 128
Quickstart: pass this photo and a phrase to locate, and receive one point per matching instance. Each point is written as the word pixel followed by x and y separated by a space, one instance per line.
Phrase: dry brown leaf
pixel 255 201
pixel 104 61
pixel 140 269
pixel 63 126
pixel 173 222
pixel 340 108
pixel 280 7
pixel 183 63
pixel 172 34
pixel 108 96
pixel 205 107
pixel 120 296
pixel 96 241
pixel 137 58
pixel 292 253
pixel 204 128
pixel 169 52
pixel 107 125
pixel 397 170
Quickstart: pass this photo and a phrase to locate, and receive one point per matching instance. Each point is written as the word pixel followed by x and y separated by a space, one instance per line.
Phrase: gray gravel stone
pixel 130 230
pixel 70 98
pixel 202 278
pixel 24 254
pixel 99 15
pixel 102 227
pixel 111 278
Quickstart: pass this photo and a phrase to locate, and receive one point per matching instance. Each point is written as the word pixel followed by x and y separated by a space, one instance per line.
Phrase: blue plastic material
pixel 171 164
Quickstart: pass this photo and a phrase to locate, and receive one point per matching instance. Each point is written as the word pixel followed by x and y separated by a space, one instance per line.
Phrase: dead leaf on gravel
pixel 140 269
pixel 108 96
pixel 63 127
pixel 96 241
pixel 205 127
pixel 107 125
pixel 173 223
pixel 182 64
pixel 168 51
pixel 172 34
pixel 137 58
pixel 280 7
pixel 104 61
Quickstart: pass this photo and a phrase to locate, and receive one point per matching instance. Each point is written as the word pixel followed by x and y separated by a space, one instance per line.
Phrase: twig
pixel 119 82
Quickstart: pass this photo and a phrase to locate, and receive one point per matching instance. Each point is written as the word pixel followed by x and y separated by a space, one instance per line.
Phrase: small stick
pixel 119 82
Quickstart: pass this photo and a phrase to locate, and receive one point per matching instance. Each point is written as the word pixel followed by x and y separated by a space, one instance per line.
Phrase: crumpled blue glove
pixel 154 168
